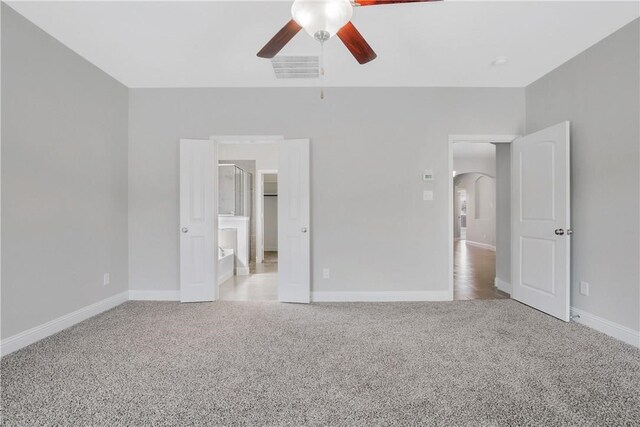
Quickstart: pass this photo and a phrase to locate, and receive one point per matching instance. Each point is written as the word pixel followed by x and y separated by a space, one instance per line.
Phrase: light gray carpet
pixel 475 363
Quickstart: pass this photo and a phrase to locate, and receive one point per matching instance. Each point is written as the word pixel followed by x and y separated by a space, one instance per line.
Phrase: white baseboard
pixel 481 245
pixel 23 339
pixel 242 271
pixel 381 296
pixel 135 295
pixel 605 326
pixel 502 285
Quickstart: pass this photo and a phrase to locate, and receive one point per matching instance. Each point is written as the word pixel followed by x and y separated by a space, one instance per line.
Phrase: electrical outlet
pixel 584 288
pixel 106 279
pixel 326 273
pixel 427 195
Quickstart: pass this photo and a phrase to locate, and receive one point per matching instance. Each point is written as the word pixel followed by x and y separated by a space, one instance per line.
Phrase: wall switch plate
pixel 427 195
pixel 326 273
pixel 106 279
pixel 428 175
pixel 584 288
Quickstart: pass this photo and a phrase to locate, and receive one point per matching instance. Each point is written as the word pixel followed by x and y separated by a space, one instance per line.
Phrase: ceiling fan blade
pixel 379 2
pixel 356 44
pixel 278 41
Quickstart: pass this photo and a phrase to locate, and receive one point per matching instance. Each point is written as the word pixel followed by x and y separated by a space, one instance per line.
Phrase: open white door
pixel 198 220
pixel 294 251
pixel 540 220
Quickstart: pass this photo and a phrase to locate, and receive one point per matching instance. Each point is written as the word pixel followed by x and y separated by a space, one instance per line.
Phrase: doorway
pixel 474 229
pixel 269 218
pixel 218 202
pixel 260 281
pixel 247 210
pixel 533 217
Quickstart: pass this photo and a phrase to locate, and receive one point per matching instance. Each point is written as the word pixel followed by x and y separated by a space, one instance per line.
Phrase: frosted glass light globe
pixel 318 16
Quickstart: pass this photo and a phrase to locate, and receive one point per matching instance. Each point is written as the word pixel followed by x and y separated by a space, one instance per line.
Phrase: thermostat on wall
pixel 427 175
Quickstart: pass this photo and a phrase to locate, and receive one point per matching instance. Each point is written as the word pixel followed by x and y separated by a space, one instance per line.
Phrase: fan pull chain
pixel 321 70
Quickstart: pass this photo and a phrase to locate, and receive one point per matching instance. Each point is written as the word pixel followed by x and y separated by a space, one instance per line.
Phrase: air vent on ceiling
pixel 296 67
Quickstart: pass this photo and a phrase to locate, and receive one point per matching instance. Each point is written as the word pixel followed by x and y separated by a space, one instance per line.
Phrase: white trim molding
pixel 247 139
pixel 502 285
pixel 605 326
pixel 492 139
pixel 37 333
pixel 382 296
pixel 137 295
pixel 481 245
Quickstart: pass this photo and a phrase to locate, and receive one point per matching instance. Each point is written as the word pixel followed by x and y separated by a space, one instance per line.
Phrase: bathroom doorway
pixel 247 222
pixel 260 281
pixel 203 245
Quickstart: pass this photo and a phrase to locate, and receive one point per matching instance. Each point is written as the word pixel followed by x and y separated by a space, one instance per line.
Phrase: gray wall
pixel 64 179
pixel 485 165
pixel 598 91
pixel 503 212
pixel 369 148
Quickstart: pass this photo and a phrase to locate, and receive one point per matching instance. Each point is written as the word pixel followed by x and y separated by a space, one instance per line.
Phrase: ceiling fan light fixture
pixel 322 19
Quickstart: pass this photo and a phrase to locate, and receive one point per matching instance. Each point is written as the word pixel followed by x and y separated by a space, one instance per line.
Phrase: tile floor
pixel 260 285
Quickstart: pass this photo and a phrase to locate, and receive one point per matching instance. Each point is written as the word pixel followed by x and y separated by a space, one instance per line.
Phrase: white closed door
pixel 198 220
pixel 540 220
pixel 294 243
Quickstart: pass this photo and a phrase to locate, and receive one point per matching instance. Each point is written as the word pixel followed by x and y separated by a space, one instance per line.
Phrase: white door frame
pixel 260 213
pixel 492 139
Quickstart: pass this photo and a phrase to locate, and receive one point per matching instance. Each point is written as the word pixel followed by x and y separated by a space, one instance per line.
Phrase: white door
pixel 294 252
pixel 540 220
pixel 198 220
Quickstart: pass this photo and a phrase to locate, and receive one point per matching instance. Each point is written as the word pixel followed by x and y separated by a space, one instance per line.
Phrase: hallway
pixel 474 271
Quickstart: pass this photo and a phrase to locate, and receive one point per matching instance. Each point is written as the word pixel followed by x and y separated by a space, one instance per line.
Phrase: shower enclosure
pixel 234 187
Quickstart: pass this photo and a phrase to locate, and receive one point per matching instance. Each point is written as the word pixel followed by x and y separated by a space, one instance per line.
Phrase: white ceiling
pixel 214 44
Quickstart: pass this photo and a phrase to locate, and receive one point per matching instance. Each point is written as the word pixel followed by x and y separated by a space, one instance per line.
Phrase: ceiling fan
pixel 323 19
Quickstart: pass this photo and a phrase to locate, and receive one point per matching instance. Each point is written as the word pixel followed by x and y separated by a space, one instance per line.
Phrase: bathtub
pixel 226 264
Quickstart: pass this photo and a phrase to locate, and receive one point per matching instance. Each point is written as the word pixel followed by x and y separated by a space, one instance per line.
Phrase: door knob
pixel 559 231
pixel 304 229
pixel 185 230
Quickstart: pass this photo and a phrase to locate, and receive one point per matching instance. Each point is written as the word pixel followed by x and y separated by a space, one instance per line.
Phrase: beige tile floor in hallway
pixel 474 271
pixel 260 285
